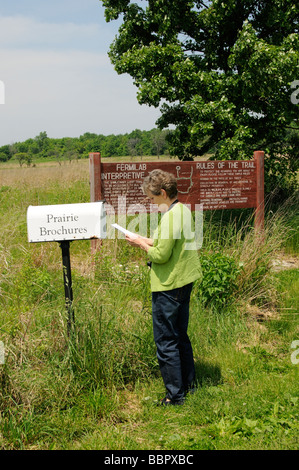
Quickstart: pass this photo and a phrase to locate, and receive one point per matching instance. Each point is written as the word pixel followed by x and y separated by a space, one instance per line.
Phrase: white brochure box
pixel 51 223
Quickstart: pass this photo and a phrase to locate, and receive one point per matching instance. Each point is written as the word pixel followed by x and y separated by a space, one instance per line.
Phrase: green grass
pixel 98 388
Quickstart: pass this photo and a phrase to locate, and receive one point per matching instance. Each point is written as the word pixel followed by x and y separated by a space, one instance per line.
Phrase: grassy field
pixel 98 389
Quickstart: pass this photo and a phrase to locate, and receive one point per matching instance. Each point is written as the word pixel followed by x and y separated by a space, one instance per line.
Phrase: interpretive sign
pixel 213 184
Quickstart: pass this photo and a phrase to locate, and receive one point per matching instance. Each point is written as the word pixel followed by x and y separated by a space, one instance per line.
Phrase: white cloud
pixel 63 91
pixel 20 31
pixel 44 77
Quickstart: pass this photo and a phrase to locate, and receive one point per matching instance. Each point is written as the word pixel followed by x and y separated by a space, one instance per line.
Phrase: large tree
pixel 223 72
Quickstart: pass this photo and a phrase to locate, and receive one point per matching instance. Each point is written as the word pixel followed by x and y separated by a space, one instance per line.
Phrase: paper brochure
pixel 125 231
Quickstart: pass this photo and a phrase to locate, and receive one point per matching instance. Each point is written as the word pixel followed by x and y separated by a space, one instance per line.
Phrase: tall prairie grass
pixel 96 387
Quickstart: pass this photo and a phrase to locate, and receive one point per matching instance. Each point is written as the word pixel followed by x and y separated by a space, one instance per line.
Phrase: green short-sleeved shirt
pixel 174 257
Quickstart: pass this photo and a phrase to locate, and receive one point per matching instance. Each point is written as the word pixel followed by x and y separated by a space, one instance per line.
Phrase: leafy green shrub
pixel 220 273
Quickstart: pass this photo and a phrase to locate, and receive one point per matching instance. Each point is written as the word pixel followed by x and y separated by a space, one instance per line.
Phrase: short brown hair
pixel 159 179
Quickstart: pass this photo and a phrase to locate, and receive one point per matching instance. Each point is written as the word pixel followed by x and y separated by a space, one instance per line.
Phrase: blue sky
pixel 57 74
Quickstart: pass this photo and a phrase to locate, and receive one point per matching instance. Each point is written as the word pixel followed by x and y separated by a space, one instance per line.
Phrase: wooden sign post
pixel 215 184
pixel 260 204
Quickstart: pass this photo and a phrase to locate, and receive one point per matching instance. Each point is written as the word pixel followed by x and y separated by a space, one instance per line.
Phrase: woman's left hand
pixel 138 241
pixel 132 241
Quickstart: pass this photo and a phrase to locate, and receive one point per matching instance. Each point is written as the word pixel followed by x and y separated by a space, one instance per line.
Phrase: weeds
pixel 96 388
pixel 219 284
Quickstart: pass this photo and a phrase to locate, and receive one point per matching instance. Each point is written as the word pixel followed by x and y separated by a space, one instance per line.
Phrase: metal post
pixel 67 277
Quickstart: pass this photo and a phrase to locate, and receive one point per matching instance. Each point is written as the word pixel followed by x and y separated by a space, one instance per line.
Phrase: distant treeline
pixel 153 142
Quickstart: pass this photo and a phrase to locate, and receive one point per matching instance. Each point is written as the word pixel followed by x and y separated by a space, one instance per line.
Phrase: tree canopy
pixel 222 72
pixel 42 147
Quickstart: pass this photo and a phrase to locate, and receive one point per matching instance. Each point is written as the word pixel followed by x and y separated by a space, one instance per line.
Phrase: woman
pixel 174 267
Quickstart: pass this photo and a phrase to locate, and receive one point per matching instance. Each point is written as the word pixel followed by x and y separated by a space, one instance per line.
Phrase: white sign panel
pixel 66 222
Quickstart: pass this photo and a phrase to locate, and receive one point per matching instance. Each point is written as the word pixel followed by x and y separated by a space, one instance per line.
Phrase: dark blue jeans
pixel 174 350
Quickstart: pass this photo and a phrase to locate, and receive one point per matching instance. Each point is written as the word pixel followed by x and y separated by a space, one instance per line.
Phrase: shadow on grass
pixel 207 373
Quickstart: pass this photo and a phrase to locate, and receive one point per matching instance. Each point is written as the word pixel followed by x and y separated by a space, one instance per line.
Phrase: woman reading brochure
pixel 174 268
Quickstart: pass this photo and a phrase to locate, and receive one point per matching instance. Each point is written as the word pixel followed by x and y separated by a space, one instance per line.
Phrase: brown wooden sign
pixel 215 184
